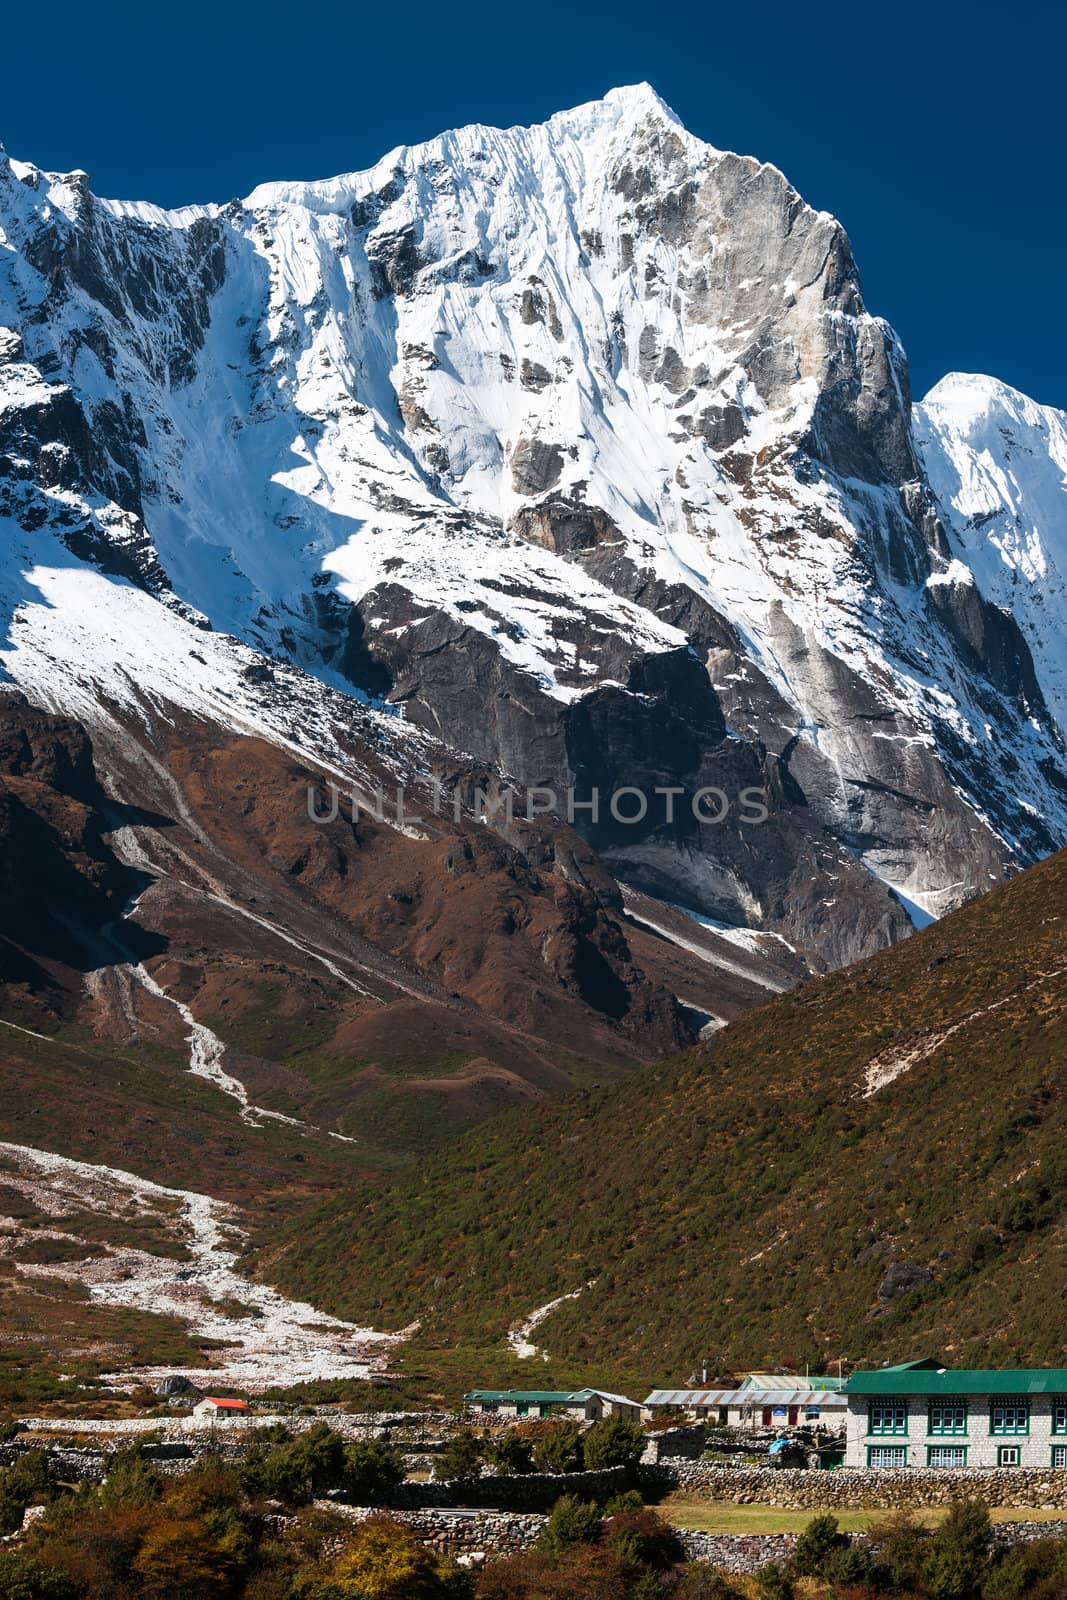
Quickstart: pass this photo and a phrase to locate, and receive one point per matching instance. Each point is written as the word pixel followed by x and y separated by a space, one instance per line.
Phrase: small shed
pixel 211 1409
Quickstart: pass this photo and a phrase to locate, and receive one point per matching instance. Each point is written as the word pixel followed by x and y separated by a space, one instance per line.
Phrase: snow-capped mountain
pixel 574 449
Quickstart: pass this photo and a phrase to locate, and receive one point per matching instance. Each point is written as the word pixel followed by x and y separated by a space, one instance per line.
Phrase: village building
pixel 211 1409
pixel 753 1408
pixel 922 1414
pixel 585 1405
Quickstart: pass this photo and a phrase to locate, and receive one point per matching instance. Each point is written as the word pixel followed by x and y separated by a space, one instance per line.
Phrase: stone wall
pixel 847 1489
pixel 686 1443
pixel 533 1491
pixel 495 1533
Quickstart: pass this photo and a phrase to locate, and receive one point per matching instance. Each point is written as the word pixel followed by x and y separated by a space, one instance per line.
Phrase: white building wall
pixel 983 1447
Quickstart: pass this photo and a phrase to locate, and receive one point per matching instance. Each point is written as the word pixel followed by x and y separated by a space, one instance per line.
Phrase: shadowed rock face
pixel 578 446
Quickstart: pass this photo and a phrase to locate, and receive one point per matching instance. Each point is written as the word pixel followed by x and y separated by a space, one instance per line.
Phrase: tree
pixel 644 1540
pixel 819 1538
pixel 775 1582
pixel 182 1556
pixel 559 1448
pixel 371 1470
pixel 510 1453
pixel 612 1443
pixel 461 1457
pixel 28 1481
pixel 572 1521
pixel 131 1481
pixel 958 1552
pixel 22 1578
pixel 296 1472
pixel 386 1562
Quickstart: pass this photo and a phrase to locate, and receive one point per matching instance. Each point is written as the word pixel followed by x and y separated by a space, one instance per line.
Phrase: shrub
pixel 700 1581
pixel 899 1544
pixel 510 1453
pixel 584 1572
pixel 820 1537
pixel 612 1443
pixel 775 1582
pixel 371 1470
pixel 572 1521
pixel 130 1481
pixel 461 1457
pixel 559 1448
pixel 22 1578
pixel 643 1539
pixel 296 1472
pixel 26 1482
pixel 628 1500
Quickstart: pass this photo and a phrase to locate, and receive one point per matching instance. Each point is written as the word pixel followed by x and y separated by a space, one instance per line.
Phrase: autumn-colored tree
pixel 586 1572
pixel 386 1562
pixel 181 1557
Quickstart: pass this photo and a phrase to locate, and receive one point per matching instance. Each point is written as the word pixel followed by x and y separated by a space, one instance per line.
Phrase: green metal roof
pixel 926 1378
pixel 536 1397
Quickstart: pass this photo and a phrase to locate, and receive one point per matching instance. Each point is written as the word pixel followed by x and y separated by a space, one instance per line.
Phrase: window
pixel 1059 1416
pixel 1009 1455
pixel 887 1455
pixel 813 1413
pixel 1009 1416
pixel 522 1409
pixel 1059 1455
pixel 948 1416
pixel 887 1416
pixel 947 1455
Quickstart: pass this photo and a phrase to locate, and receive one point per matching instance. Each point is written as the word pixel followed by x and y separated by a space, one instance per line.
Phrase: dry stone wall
pixel 846 1489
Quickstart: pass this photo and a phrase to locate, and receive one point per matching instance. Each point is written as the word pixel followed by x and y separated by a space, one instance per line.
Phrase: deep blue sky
pixel 934 131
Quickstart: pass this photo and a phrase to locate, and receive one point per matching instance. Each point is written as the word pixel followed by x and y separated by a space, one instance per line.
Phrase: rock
pixel 903 1279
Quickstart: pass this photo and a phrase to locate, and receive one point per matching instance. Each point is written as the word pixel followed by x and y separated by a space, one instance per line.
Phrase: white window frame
pixel 955 1455
pixel 1007 1450
pixel 899 1452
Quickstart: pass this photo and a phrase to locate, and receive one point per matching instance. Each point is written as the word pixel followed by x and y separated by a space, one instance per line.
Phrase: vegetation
pixel 296 1471
pixel 461 1457
pixel 668 1187
pixel 215 1534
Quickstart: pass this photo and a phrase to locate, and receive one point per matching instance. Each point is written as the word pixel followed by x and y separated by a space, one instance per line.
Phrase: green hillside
pixel 747 1201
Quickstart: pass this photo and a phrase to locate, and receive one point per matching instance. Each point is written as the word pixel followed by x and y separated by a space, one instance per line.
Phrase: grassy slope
pixel 744 1201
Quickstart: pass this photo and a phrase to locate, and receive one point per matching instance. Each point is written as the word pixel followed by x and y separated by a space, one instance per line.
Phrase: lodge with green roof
pixel 587 1405
pixel 923 1414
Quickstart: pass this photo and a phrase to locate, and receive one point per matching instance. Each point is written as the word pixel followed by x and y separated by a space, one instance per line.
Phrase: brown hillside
pixel 756 1199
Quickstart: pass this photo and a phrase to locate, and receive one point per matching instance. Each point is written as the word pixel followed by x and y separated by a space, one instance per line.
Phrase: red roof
pixel 231 1405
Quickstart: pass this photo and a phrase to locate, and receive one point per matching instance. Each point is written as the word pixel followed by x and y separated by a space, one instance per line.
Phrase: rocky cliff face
pixel 575 446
